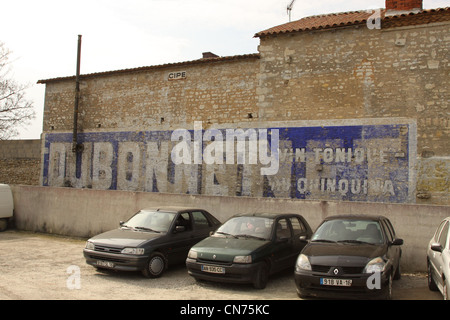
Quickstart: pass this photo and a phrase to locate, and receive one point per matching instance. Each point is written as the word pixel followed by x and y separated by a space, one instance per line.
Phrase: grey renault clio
pixel 151 240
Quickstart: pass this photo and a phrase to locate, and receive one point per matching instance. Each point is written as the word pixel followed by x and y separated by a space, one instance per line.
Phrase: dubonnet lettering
pixel 232 162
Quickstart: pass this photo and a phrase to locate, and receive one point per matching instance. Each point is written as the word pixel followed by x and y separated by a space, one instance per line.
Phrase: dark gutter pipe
pixel 75 146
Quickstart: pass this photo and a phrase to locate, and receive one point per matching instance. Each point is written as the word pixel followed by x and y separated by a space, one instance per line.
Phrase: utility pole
pixel 75 146
pixel 289 9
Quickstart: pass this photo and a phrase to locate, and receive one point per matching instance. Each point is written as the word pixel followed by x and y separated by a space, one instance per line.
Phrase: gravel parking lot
pixel 45 267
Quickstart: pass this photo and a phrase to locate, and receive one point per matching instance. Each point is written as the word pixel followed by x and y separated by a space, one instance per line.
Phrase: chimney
pixel 403 6
pixel 207 55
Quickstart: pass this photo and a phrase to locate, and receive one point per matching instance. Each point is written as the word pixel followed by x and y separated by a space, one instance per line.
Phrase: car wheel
pixel 155 266
pixel 431 284
pixel 261 277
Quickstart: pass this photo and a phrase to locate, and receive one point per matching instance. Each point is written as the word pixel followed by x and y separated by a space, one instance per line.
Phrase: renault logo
pixel 336 271
pixel 214 257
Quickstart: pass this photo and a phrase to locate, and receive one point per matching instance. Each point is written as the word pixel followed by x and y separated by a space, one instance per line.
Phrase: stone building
pixel 349 106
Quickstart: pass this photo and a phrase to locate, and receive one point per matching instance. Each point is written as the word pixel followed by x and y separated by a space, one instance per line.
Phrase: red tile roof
pixel 344 19
pixel 319 22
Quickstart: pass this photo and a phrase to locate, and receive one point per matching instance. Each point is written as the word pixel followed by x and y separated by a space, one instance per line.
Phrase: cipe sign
pixel 177 75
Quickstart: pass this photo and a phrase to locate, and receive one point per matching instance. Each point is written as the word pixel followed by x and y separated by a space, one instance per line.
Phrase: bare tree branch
pixel 15 110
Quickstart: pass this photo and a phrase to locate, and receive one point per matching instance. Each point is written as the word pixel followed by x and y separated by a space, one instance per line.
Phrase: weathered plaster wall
pixel 368 160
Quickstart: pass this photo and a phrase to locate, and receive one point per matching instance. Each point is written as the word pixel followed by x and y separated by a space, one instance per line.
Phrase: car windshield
pixel 349 231
pixel 246 227
pixel 155 221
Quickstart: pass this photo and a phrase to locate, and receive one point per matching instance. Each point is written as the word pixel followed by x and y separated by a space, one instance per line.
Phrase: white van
pixel 6 206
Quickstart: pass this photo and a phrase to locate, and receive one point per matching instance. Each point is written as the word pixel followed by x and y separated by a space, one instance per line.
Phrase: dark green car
pixel 249 247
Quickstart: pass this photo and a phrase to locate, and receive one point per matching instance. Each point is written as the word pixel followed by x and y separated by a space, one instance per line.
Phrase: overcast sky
pixel 43 35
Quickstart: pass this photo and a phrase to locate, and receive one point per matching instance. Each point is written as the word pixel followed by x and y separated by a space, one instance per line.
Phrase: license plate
pixel 213 269
pixel 107 264
pixel 335 282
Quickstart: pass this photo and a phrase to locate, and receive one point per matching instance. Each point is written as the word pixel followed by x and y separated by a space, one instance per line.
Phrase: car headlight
pixel 242 259
pixel 192 254
pixel 90 245
pixel 303 263
pixel 375 265
pixel 137 251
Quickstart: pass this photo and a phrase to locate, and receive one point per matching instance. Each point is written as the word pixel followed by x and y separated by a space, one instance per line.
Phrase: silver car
pixel 438 260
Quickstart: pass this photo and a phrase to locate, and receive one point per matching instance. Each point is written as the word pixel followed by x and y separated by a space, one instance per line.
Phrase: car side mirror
pixel 303 238
pixel 179 229
pixel 397 242
pixel 436 247
pixel 121 223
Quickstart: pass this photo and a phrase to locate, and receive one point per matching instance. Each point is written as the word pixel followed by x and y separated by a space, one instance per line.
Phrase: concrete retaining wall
pixel 86 212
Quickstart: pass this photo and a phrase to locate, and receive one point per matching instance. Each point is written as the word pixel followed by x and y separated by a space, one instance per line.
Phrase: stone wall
pixel 353 78
pixel 215 90
pixel 20 161
pixel 361 73
pixel 357 73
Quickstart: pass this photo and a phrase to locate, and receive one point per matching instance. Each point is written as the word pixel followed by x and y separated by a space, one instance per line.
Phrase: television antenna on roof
pixel 289 9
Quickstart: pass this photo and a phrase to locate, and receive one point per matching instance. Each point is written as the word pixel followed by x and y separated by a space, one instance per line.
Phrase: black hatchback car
pixel 247 248
pixel 150 240
pixel 350 256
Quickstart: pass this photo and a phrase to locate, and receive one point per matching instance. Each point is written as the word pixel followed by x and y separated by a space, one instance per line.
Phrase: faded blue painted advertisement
pixel 358 162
